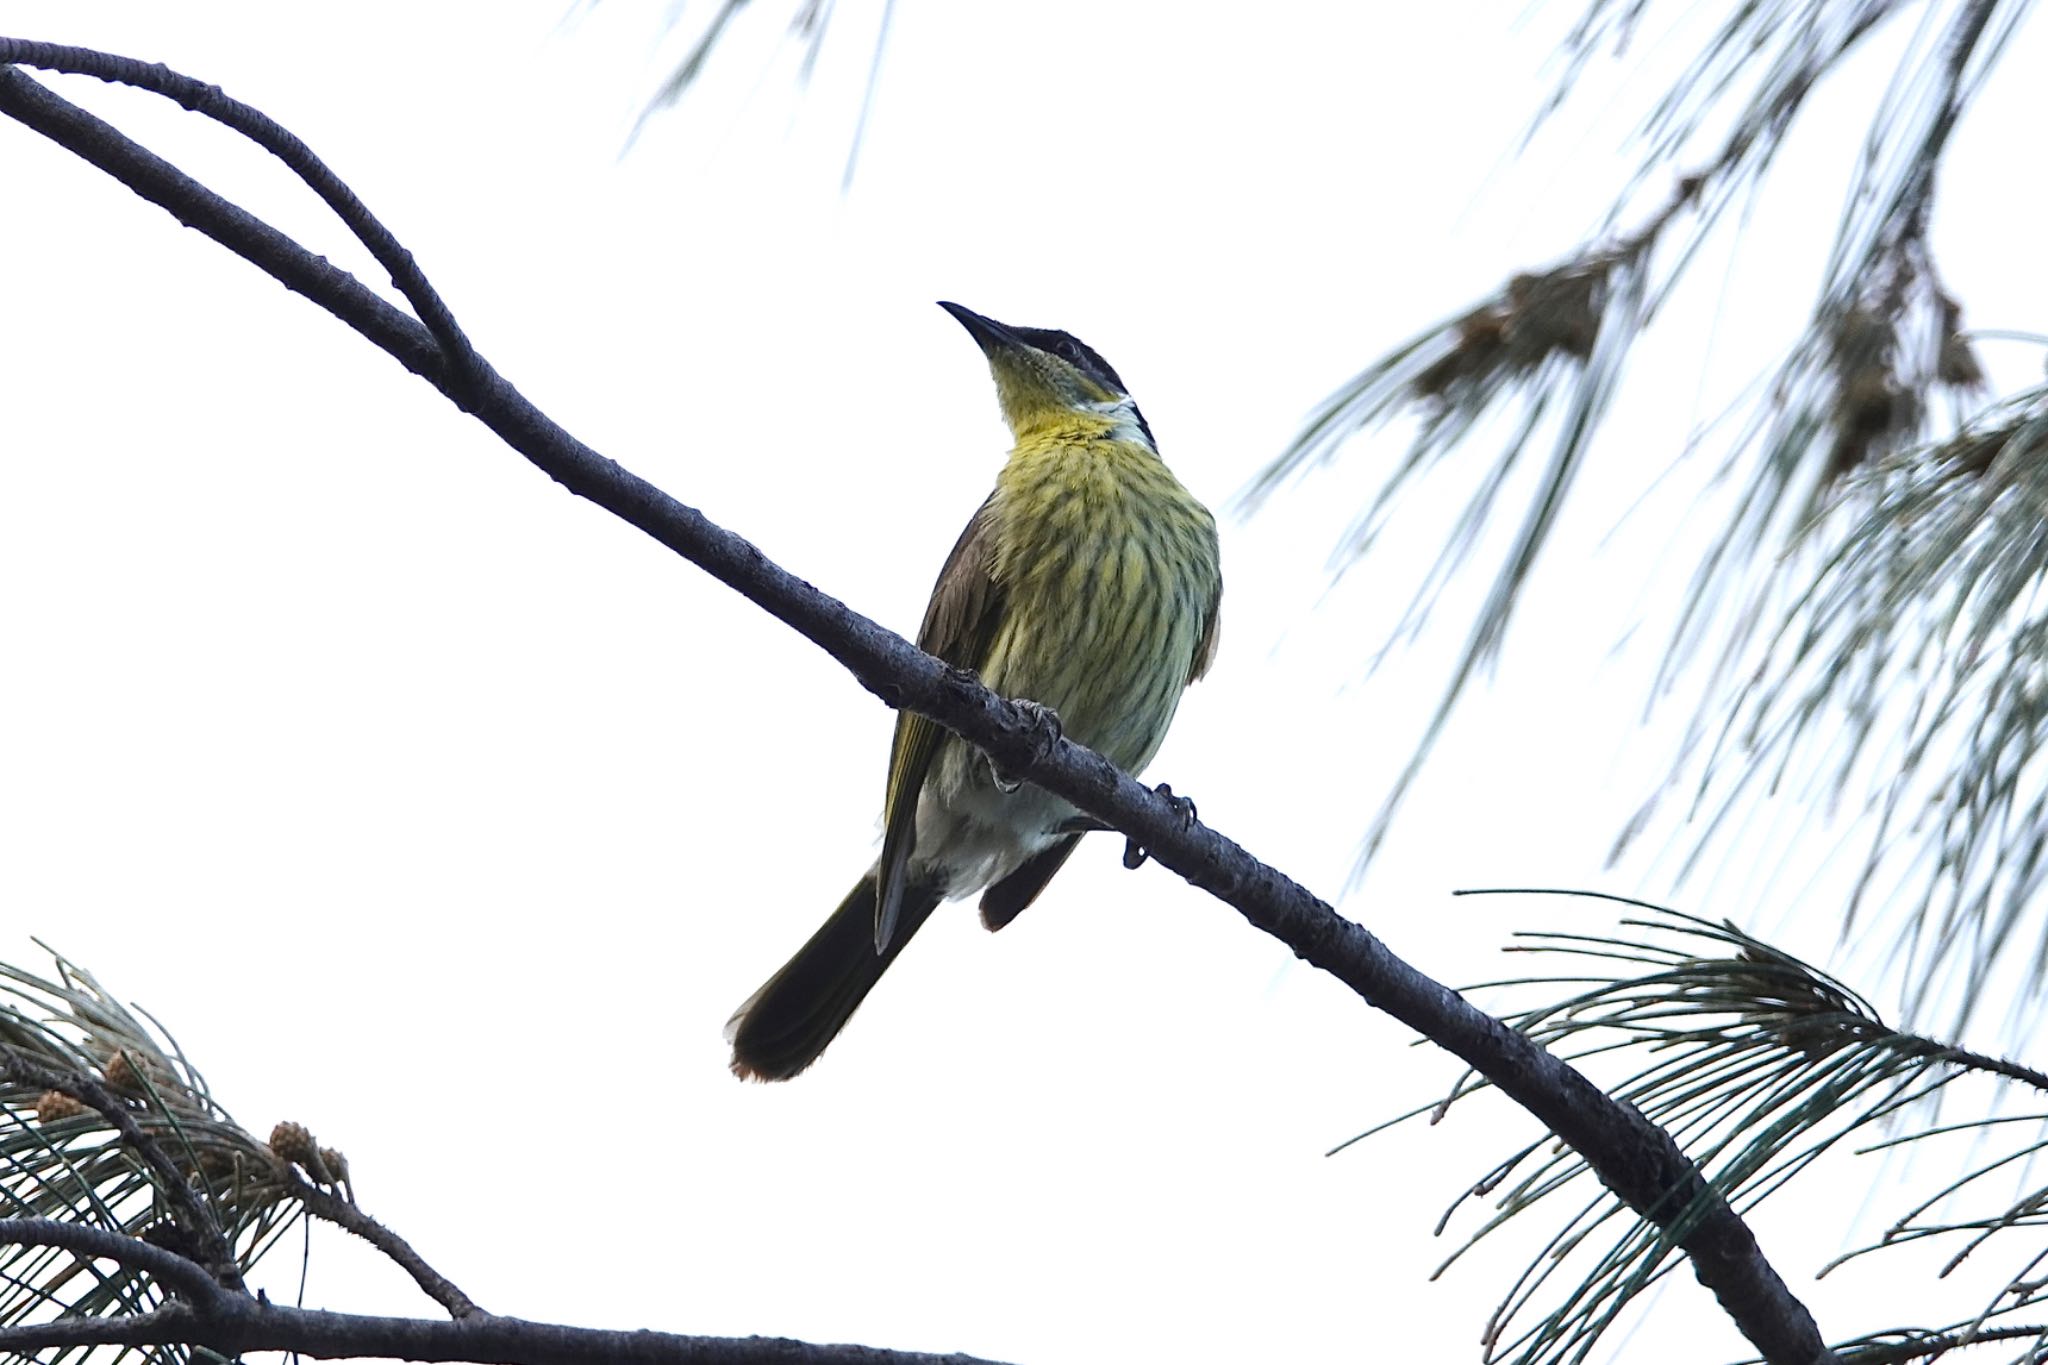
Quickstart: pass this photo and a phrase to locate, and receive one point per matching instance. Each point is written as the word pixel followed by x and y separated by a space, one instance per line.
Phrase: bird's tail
pixel 783 1027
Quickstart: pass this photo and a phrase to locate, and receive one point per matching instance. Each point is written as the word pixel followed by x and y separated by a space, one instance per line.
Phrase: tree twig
pixel 1933 1345
pixel 1638 1161
pixel 259 128
pixel 340 1212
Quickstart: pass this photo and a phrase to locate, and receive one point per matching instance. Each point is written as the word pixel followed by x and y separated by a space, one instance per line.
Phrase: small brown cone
pixel 121 1073
pixel 293 1144
pixel 53 1105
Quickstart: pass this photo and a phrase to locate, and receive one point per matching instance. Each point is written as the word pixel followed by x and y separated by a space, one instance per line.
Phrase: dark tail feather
pixel 783 1027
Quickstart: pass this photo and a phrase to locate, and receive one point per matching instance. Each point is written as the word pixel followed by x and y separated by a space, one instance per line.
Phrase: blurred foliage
pixel 1883 365
pixel 805 21
pixel 61 1159
pixel 1912 669
pixel 1760 1065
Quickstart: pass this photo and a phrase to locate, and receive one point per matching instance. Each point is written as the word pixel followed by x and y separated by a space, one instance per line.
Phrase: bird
pixel 1087 584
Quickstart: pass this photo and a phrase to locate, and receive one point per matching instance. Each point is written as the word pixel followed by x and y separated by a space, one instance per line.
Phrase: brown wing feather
pixel 959 626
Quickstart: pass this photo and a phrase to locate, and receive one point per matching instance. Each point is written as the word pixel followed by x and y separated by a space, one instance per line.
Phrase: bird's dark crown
pixel 1075 352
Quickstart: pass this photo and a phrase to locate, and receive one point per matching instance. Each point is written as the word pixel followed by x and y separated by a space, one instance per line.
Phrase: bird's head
pixel 1051 380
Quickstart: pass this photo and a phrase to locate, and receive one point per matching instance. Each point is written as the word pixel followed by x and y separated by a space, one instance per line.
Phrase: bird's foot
pixel 1045 734
pixel 1134 852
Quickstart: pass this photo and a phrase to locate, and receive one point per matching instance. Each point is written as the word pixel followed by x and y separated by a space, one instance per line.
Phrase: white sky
pixel 449 816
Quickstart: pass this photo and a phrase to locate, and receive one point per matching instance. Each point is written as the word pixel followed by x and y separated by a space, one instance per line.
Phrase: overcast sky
pixel 445 814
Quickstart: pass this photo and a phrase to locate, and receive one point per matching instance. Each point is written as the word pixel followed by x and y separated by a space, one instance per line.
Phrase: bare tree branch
pixel 326 1206
pixel 1635 1159
pixel 234 1324
pixel 259 128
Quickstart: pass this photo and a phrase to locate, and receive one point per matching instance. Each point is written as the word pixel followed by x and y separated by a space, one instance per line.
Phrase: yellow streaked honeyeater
pixel 1087 583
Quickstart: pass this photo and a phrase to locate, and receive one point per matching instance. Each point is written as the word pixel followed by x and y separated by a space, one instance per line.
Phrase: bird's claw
pixel 1134 852
pixel 1045 734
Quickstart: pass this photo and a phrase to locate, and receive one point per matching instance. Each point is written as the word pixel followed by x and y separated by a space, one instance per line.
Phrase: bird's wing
pixel 960 627
pixel 1205 648
pixel 1008 898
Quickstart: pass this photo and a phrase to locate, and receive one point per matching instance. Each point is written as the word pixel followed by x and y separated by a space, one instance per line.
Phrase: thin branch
pixel 1637 1160
pixel 485 1339
pixel 194 1213
pixel 343 1214
pixel 258 127
pixel 82 1239
pixel 235 1324
pixel 1930 1345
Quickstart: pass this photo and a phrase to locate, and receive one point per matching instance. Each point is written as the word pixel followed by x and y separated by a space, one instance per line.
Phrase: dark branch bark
pixel 330 1208
pixel 259 128
pixel 87 1242
pixel 234 1324
pixel 198 1215
pixel 1934 1344
pixel 193 1213
pixel 485 1339
pixel 1636 1159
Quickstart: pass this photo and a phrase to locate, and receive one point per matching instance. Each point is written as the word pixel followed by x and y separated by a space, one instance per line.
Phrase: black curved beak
pixel 988 334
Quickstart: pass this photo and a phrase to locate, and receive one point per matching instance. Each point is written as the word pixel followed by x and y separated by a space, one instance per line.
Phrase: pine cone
pixel 53 1105
pixel 294 1144
pixel 121 1073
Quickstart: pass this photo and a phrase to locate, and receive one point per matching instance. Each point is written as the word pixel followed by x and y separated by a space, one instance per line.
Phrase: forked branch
pixel 1637 1160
